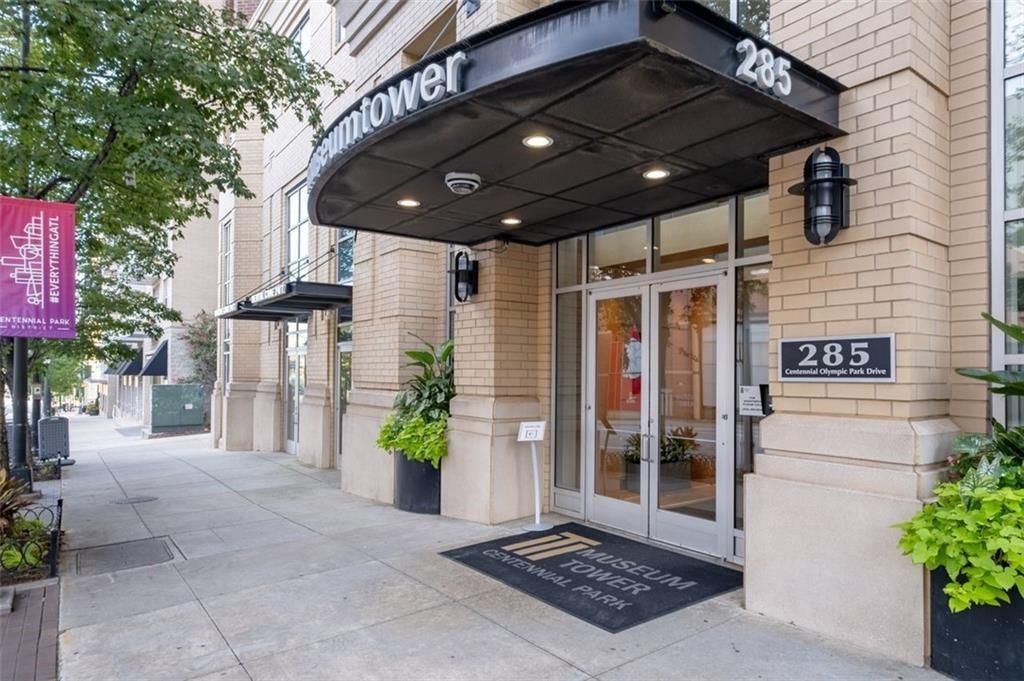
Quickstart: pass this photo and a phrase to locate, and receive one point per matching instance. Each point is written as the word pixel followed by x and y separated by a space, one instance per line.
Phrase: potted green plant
pixel 971 538
pixel 416 430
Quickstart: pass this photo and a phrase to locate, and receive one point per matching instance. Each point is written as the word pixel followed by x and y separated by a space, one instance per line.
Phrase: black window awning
pixel 290 301
pixel 620 89
pixel 133 366
pixel 157 363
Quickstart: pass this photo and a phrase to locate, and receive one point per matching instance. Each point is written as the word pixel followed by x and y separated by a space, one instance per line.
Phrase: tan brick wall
pixel 914 261
pixel 969 215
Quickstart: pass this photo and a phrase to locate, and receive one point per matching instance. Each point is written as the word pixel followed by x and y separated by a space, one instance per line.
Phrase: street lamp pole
pixel 19 416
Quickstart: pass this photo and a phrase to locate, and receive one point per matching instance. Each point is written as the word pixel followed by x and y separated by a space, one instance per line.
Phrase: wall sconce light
pixel 826 192
pixel 465 275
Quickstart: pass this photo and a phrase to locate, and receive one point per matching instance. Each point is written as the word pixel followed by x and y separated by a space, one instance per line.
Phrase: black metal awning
pixel 133 366
pixel 157 363
pixel 290 301
pixel 619 87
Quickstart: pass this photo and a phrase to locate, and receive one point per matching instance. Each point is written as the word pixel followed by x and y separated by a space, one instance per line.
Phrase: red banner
pixel 37 268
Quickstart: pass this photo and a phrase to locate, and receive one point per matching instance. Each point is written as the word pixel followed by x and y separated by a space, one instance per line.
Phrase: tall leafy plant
pixel 975 528
pixel 417 426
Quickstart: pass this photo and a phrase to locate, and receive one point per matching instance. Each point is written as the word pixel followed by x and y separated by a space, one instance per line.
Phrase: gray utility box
pixel 53 438
pixel 178 406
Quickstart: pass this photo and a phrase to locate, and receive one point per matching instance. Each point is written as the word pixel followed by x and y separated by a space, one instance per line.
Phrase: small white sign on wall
pixel 750 401
pixel 531 431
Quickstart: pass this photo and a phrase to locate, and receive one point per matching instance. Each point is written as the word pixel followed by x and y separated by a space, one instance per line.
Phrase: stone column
pixel 502 374
pixel 844 462
pixel 240 390
pixel 398 289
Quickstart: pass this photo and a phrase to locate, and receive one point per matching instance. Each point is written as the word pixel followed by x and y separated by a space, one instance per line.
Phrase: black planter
pixel 979 644
pixel 417 486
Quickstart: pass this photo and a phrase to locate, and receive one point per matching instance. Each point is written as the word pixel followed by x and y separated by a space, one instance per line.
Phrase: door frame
pixel 289 392
pixel 716 537
pixel 601 509
pixel 712 537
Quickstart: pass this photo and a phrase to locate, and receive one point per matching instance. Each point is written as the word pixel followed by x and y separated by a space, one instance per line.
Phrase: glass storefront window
pixel 568 389
pixel 346 246
pixel 696 236
pixel 297 240
pixel 1014 32
pixel 1014 279
pixel 751 367
pixel 569 254
pixel 1014 143
pixel 754 16
pixel 618 252
pixel 753 224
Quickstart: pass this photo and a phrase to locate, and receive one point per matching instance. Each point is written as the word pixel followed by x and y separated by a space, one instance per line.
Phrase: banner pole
pixel 19 416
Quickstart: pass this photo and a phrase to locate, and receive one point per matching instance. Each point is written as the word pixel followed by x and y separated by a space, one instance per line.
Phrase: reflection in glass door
pixel 295 383
pixel 659 404
pixel 617 409
pixel 694 463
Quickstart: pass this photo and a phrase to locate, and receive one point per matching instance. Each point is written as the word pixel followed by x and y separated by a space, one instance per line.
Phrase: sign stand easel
pixel 533 432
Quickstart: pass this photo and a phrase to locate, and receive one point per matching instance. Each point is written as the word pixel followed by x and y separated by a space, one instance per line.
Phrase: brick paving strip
pixel 28 636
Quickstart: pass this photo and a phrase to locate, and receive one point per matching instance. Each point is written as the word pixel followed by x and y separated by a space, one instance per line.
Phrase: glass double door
pixel 659 402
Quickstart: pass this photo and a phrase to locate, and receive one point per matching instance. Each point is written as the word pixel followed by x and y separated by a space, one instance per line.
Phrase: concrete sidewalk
pixel 270 572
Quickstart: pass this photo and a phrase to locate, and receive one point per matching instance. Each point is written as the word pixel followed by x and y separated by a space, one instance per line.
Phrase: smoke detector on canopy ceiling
pixel 462 183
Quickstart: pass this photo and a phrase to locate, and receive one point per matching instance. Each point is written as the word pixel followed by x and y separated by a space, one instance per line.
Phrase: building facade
pixel 641 260
pixel 191 290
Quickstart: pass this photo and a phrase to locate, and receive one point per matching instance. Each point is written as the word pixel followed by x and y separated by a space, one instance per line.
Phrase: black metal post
pixel 37 401
pixel 19 414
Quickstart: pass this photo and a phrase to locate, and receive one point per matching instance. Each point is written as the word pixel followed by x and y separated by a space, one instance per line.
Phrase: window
pixel 618 252
pixel 1007 238
pixel 297 236
pixel 225 352
pixel 438 34
pixel 695 236
pixel 227 264
pixel 753 15
pixel 300 35
pixel 344 255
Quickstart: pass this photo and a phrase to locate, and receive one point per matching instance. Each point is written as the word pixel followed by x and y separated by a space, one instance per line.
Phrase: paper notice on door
pixel 750 401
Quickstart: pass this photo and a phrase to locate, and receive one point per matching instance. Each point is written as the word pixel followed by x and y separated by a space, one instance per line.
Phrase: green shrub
pixel 25 545
pixel 975 530
pixel 418 423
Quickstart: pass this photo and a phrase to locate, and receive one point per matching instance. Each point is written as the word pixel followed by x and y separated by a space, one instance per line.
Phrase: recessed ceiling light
pixel 708 261
pixel 511 222
pixel 656 174
pixel 538 141
pixel 760 272
pixel 408 203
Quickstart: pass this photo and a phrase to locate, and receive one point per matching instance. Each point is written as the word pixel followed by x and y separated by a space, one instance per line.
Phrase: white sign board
pixel 750 401
pixel 531 431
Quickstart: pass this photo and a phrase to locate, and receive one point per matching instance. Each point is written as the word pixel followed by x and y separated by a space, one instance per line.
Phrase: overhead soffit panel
pixel 619 90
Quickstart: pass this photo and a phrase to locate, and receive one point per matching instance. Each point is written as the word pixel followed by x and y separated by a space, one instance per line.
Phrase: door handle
pixel 645 452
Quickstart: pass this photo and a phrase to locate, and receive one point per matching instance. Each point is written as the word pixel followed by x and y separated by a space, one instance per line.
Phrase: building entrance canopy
pixel 615 89
pixel 289 301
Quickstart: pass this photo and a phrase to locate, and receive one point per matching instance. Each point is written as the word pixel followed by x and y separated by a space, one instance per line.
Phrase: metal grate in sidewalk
pixel 28 636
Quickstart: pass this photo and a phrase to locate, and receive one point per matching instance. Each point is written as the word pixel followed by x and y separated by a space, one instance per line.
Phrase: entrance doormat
pixel 606 580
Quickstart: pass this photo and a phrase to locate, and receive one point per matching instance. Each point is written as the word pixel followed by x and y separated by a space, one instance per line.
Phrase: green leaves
pixel 127 108
pixel 418 425
pixel 975 532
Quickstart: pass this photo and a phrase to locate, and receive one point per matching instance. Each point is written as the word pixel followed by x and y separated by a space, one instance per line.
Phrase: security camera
pixel 462 183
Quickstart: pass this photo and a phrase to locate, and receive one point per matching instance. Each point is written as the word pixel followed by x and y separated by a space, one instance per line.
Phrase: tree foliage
pixel 65 374
pixel 201 337
pixel 124 107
